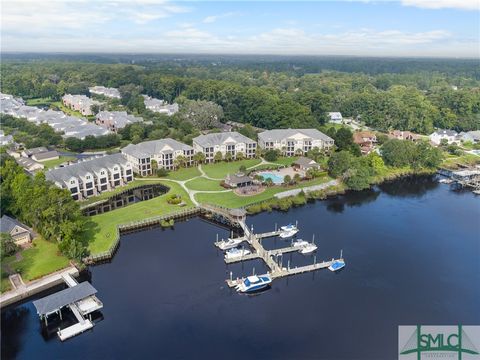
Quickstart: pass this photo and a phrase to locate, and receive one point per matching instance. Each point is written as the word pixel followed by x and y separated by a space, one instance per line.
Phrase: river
pixel 412 249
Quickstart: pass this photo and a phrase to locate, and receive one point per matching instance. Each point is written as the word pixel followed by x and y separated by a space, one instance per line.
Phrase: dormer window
pixel 72 181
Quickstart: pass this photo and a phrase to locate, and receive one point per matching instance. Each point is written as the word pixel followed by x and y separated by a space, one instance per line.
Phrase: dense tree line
pixel 51 211
pixel 28 133
pixel 416 101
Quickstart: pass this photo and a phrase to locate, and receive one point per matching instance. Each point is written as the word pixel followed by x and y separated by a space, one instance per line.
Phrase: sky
pixel 431 28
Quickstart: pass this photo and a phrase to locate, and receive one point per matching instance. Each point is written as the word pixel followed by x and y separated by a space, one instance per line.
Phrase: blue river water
pixel 412 249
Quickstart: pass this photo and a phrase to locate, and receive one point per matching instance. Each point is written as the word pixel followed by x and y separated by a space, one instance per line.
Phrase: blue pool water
pixel 277 179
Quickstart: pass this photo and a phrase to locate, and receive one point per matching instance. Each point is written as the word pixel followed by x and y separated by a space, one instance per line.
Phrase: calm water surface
pixel 413 257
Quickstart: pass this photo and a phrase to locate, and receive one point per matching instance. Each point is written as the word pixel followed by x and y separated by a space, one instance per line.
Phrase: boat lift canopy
pixel 54 302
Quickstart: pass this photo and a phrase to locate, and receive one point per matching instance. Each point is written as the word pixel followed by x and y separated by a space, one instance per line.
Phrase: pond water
pixel 412 249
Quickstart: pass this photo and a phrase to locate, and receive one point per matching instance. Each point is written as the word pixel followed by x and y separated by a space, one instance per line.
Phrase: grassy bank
pixel 41 259
pixel 221 169
pixel 50 164
pixel 101 229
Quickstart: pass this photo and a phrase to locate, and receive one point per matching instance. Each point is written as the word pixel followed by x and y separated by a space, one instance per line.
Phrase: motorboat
pixel 308 248
pixel 300 243
pixel 254 283
pixel 288 234
pixel 229 243
pixel 236 253
pixel 288 227
pixel 337 265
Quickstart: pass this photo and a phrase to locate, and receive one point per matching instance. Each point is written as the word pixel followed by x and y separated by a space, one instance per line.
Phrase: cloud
pixel 213 18
pixel 444 4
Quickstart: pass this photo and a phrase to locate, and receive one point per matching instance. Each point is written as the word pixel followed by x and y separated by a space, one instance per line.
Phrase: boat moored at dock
pixel 236 253
pixel 337 264
pixel 229 243
pixel 288 234
pixel 254 283
pixel 308 248
pixel 288 227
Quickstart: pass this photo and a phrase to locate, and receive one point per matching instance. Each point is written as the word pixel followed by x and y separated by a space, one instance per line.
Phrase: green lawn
pixel 285 160
pixel 5 284
pixel 221 169
pixel 453 161
pixel 50 164
pixel 39 101
pixel 41 259
pixel 204 184
pixel 184 174
pixel 67 110
pixel 101 229
pixel 232 200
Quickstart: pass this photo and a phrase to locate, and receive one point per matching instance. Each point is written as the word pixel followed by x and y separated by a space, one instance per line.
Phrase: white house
pixel 439 135
pixel 107 92
pixel 335 117
pixel 294 141
pixel 160 106
pixel 472 136
pixel 93 176
pixel 225 142
pixel 20 233
pixel 163 151
pixel 115 120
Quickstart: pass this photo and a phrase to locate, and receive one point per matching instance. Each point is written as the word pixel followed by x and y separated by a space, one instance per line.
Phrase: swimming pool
pixel 277 179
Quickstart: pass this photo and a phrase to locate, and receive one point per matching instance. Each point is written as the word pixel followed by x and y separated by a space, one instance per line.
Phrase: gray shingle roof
pixel 280 134
pixel 46 155
pixel 50 303
pixel 149 148
pixel 36 150
pixel 446 132
pixel 84 167
pixel 304 161
pixel 221 138
pixel 7 224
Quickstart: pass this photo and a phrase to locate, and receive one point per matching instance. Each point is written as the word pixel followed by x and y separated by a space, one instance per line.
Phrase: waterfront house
pixel 231 143
pixel 160 106
pixel 93 176
pixel 107 92
pixel 164 152
pixel 366 140
pixel 80 103
pixel 20 233
pixel 439 135
pixel 115 120
pixel 292 142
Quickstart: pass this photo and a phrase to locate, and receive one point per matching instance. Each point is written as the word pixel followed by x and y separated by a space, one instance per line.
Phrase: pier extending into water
pixel 275 270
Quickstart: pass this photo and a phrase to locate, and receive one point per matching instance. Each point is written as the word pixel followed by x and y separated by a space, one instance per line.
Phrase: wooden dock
pixel 259 252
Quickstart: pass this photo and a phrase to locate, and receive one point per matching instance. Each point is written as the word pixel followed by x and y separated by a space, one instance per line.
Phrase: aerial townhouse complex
pixel 71 126
pixel 292 142
pixel 160 106
pixel 107 92
pixel 225 142
pixel 163 151
pixel 92 177
pixel 115 120
pixel 80 103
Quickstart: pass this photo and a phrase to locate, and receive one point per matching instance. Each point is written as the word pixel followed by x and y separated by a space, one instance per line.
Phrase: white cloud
pixel 213 18
pixel 444 4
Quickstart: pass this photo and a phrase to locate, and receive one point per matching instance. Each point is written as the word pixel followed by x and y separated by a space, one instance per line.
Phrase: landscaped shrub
pixel 162 172
pixel 174 199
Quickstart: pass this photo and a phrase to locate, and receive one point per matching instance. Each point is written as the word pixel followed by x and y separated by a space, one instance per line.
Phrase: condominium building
pixel 107 92
pixel 115 120
pixel 292 142
pixel 163 151
pixel 225 142
pixel 93 176
pixel 80 103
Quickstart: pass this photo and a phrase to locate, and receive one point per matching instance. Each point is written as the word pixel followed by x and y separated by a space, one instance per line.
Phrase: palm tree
pixel 228 157
pixel 179 162
pixel 287 179
pixel 240 156
pixel 218 156
pixel 199 157
pixel 297 178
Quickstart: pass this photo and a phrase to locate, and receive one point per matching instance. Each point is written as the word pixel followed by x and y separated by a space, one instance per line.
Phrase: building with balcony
pixel 93 176
pixel 231 143
pixel 292 142
pixel 164 152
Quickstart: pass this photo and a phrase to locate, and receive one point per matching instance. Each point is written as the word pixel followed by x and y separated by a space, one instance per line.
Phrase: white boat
pixel 254 283
pixel 337 264
pixel 288 227
pixel 300 243
pixel 229 243
pixel 308 249
pixel 288 234
pixel 236 253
